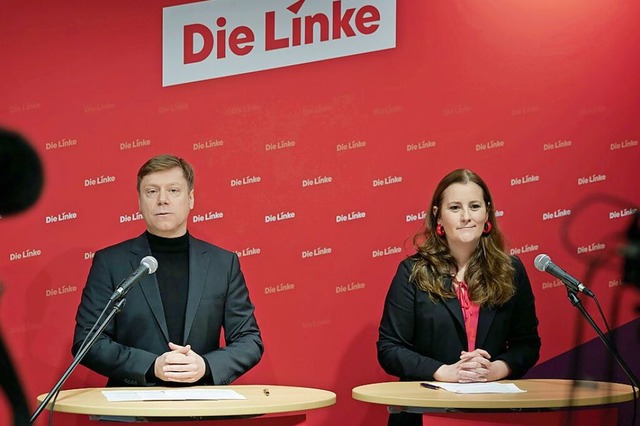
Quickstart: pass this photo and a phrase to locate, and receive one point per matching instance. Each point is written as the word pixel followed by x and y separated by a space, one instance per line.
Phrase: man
pixel 168 332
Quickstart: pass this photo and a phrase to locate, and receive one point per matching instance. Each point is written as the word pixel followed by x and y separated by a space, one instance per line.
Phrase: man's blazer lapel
pixel 149 284
pixel 198 271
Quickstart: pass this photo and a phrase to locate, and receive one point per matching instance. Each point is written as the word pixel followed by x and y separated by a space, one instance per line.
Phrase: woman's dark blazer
pixel 418 335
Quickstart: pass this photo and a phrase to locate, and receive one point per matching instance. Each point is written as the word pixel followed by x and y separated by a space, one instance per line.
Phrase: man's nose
pixel 163 196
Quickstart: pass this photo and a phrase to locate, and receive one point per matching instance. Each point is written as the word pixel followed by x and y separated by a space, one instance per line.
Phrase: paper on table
pixel 171 395
pixel 491 387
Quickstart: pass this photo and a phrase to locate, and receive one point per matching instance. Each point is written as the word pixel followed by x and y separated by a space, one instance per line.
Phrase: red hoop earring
pixel 487 227
pixel 440 230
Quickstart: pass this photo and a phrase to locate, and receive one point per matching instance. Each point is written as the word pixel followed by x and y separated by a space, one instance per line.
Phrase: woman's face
pixel 463 213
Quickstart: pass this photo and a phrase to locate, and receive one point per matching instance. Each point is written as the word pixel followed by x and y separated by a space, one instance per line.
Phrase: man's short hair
pixel 161 163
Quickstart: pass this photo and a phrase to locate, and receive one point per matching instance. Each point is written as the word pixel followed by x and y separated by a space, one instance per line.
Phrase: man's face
pixel 165 201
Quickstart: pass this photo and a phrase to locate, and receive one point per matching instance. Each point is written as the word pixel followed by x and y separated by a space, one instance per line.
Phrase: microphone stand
pixel 575 301
pixel 116 308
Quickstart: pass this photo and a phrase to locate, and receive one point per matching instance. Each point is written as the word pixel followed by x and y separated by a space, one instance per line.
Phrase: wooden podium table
pixel 260 400
pixel 546 402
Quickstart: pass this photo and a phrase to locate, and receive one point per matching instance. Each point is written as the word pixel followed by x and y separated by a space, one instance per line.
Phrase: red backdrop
pixel 541 98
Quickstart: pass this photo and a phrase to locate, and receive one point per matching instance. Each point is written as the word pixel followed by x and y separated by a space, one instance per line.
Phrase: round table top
pixel 260 399
pixel 540 393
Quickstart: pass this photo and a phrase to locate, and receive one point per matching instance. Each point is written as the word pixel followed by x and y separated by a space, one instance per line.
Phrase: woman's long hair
pixel 489 274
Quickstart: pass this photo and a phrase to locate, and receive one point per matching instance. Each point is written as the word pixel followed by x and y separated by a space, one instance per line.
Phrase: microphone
pixel 21 173
pixel 148 265
pixel 543 263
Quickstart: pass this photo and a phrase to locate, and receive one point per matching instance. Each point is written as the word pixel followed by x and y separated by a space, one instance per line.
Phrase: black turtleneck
pixel 173 280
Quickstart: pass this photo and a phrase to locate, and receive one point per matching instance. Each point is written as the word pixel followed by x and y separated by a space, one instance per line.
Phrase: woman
pixel 460 309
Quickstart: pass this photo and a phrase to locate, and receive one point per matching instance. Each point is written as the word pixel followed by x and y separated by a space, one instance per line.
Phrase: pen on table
pixel 430 386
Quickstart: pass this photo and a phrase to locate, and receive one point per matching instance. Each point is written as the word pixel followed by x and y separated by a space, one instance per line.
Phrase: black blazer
pixel 217 299
pixel 417 336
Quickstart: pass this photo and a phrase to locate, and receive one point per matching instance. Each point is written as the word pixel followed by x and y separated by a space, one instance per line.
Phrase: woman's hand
pixel 474 366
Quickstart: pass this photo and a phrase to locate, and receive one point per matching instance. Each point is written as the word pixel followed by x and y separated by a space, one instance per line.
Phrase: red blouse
pixel 470 313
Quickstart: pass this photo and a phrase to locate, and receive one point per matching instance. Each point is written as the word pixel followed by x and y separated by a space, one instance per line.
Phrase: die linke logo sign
pixel 218 38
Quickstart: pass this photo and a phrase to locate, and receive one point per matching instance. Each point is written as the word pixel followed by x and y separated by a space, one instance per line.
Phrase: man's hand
pixel 181 364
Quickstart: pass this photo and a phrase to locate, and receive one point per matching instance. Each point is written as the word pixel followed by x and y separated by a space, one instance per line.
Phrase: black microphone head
pixel 150 262
pixel 21 175
pixel 541 262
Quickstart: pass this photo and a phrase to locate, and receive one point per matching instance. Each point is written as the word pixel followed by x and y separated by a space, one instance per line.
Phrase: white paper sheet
pixel 490 387
pixel 171 395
